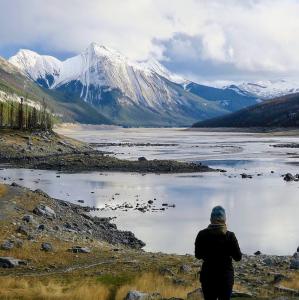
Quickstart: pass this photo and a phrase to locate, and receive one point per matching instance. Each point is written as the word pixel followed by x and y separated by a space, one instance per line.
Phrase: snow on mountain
pixel 266 89
pixel 37 66
pixel 127 91
pixel 99 66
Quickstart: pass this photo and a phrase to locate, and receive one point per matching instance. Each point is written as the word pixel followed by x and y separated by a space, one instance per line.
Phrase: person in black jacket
pixel 217 247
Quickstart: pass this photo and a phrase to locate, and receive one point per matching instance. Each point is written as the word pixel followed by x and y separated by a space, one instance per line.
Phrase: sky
pixel 203 40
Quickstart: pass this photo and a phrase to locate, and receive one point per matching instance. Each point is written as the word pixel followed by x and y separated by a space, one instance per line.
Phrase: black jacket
pixel 217 249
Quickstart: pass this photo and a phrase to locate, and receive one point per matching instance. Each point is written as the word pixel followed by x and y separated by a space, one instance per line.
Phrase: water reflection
pixel 263 211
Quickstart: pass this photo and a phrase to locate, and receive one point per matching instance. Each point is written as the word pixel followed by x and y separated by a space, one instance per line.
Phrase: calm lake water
pixel 262 211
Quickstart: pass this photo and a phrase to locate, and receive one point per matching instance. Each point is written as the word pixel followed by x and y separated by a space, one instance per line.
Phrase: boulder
pixel 7 245
pixel 78 249
pixel 136 295
pixel 185 269
pixel 270 262
pixel 244 175
pixel 290 177
pixel 28 218
pixel 23 230
pixel 257 253
pixel 47 247
pixel 142 158
pixel 44 211
pixel 10 262
pixel 295 263
pixel 41 227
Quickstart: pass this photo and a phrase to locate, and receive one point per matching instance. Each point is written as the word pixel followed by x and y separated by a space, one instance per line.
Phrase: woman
pixel 217 247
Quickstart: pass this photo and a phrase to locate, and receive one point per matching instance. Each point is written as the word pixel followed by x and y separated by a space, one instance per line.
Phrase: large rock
pixel 136 295
pixel 78 249
pixel 142 158
pixel 7 245
pixel 44 211
pixel 23 230
pixel 294 264
pixel 28 218
pixel 47 247
pixel 185 269
pixel 290 177
pixel 10 262
pixel 270 261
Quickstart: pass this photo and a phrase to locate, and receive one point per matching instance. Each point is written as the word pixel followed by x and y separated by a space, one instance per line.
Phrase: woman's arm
pixel 236 252
pixel 198 248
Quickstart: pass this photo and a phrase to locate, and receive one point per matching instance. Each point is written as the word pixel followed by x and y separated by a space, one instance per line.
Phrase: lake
pixel 262 211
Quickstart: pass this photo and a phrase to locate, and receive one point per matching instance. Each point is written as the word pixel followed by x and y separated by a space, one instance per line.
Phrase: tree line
pixel 20 115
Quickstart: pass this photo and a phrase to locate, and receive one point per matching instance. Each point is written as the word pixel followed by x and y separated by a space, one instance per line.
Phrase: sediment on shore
pixel 50 151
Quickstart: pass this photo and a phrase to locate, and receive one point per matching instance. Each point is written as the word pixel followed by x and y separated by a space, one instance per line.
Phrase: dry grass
pixel 33 289
pixel 3 190
pixel 293 283
pixel 151 282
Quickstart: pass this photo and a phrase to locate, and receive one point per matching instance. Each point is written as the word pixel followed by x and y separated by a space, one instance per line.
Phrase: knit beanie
pixel 218 215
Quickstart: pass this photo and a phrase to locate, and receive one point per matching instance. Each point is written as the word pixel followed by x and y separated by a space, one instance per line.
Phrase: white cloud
pixel 240 37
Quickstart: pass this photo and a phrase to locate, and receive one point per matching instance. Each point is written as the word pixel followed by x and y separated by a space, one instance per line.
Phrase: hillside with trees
pixel 22 116
pixel 14 85
pixel 278 112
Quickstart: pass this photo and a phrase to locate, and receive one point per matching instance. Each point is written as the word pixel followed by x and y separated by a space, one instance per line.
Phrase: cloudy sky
pixel 204 40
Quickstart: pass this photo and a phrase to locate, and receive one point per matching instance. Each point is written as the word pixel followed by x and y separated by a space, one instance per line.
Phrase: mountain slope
pixel 229 98
pixel 279 112
pixel 266 89
pixel 127 92
pixel 14 84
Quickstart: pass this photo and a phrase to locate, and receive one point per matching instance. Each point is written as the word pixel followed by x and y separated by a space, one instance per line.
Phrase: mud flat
pixel 50 151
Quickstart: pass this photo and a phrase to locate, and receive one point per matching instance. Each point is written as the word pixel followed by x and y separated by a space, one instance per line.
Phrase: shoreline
pixel 50 151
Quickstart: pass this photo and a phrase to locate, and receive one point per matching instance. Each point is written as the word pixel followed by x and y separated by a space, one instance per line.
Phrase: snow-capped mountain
pixel 99 66
pixel 41 68
pixel 266 89
pixel 125 91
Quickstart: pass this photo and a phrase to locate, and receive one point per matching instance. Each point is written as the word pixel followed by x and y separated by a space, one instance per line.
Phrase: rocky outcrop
pixel 63 219
pixel 290 177
pixel 44 211
pixel 10 262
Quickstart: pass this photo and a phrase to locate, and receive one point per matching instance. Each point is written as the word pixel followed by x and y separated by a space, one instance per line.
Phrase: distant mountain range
pixel 279 112
pixel 266 89
pixel 101 85
pixel 126 92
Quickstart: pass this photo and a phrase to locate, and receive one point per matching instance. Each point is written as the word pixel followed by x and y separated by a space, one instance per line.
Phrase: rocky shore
pixel 35 215
pixel 50 151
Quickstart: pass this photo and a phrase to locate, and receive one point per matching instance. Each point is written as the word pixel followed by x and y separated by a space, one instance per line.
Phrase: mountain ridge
pixel 129 93
pixel 279 112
